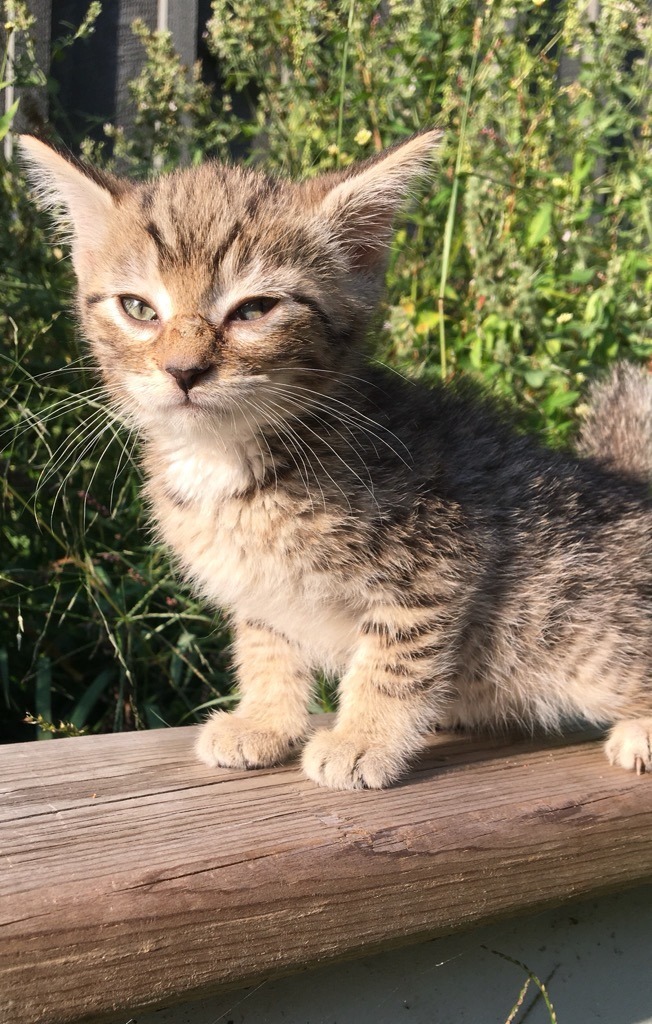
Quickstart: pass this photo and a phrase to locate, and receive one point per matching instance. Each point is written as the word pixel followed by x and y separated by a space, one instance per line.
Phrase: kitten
pixel 448 569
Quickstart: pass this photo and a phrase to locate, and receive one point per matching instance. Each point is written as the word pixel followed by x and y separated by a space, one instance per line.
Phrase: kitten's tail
pixel 617 430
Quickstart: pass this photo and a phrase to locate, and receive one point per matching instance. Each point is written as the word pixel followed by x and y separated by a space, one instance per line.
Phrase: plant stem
pixel 345 58
pixel 452 206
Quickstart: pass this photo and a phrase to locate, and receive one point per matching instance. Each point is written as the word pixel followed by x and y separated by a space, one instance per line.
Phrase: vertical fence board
pixel 130 54
pixel 182 23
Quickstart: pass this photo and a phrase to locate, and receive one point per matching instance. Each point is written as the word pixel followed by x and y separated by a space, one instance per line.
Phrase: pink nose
pixel 187 376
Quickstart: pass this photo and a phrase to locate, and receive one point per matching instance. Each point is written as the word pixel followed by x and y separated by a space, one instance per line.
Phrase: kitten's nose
pixel 187 376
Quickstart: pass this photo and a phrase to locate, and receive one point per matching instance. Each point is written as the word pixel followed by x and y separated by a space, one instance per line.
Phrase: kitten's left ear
pixel 80 198
pixel 362 203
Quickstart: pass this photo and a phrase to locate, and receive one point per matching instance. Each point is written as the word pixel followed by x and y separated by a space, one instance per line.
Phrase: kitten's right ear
pixel 80 199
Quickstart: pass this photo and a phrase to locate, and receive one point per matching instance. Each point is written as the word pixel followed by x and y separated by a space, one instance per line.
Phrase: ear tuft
pixel 80 199
pixel 362 202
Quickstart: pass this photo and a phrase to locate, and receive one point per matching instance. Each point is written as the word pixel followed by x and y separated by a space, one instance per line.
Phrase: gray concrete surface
pixel 596 958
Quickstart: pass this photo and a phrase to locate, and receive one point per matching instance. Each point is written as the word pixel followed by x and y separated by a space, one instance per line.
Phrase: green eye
pixel 137 309
pixel 254 308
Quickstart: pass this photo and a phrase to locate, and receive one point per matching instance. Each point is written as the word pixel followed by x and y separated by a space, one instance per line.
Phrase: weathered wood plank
pixel 134 876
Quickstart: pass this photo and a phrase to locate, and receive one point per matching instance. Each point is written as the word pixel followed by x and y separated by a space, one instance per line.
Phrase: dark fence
pixel 89 80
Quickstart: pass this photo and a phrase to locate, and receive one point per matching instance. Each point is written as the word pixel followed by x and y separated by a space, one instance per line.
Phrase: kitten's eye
pixel 254 308
pixel 137 309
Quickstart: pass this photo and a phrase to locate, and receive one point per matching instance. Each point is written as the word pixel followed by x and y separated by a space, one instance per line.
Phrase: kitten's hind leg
pixel 629 744
pixel 272 716
pixel 387 700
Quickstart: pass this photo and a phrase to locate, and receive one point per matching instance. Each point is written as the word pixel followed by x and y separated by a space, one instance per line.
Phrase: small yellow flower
pixel 363 136
pixel 333 150
pixel 538 3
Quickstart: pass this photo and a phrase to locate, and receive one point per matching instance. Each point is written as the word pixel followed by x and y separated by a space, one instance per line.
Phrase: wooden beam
pixel 134 876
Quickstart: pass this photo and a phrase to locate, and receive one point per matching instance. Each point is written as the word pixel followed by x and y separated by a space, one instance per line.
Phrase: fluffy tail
pixel 617 431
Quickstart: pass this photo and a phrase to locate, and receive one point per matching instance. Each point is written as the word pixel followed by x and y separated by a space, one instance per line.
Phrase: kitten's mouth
pixel 188 400
pixel 195 404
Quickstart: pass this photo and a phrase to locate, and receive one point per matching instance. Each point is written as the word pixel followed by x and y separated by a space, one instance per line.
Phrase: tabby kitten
pixel 448 569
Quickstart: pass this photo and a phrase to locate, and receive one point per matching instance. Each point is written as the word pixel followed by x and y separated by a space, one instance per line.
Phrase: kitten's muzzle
pixel 187 376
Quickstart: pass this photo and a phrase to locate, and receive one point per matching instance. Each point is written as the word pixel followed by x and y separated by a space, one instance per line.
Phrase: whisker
pixel 334 429
pixel 92 444
pixel 334 373
pixel 57 409
pixel 313 452
pixel 347 411
pixel 71 367
pixel 69 445
pixel 346 420
pixel 254 435
pixel 286 430
pixel 298 446
pixel 88 487
pixel 350 417
pixel 386 366
pixel 126 456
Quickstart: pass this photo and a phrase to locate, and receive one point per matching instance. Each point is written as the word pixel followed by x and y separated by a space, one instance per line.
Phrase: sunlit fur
pixel 448 569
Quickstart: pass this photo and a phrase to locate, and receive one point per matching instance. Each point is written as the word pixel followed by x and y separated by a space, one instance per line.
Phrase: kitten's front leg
pixel 389 696
pixel 272 716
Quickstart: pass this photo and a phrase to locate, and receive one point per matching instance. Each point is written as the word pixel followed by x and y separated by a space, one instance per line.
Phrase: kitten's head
pixel 215 289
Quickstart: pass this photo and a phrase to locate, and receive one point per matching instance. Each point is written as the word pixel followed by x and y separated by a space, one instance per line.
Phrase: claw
pixel 639 766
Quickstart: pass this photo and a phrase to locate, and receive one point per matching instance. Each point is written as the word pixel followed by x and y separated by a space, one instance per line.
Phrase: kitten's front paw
pixel 630 745
pixel 340 761
pixel 233 742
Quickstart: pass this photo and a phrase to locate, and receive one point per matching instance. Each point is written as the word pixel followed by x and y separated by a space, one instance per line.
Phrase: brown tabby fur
pixel 448 569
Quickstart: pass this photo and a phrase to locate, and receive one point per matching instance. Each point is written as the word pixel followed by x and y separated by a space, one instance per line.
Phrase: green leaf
pixel 178 663
pixel 581 275
pixel 427 320
pixel 475 353
pixel 7 118
pixel 559 400
pixel 154 716
pixel 86 702
pixel 535 378
pixel 539 225
pixel 594 306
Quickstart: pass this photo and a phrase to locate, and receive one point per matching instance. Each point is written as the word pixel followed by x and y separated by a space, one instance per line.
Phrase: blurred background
pixel 527 264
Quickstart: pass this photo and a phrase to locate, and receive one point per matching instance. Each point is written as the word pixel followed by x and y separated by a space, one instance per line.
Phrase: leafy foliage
pixel 526 264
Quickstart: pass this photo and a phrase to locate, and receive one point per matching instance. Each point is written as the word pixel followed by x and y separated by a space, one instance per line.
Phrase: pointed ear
pixel 361 204
pixel 80 198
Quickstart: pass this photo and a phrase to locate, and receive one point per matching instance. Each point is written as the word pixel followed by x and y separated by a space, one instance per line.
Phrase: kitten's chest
pixel 260 556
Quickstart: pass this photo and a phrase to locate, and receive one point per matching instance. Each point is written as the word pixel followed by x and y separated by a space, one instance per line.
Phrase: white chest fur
pixel 205 474
pixel 251 555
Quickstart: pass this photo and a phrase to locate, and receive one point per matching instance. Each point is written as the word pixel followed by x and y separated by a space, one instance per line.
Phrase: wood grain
pixel 134 877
